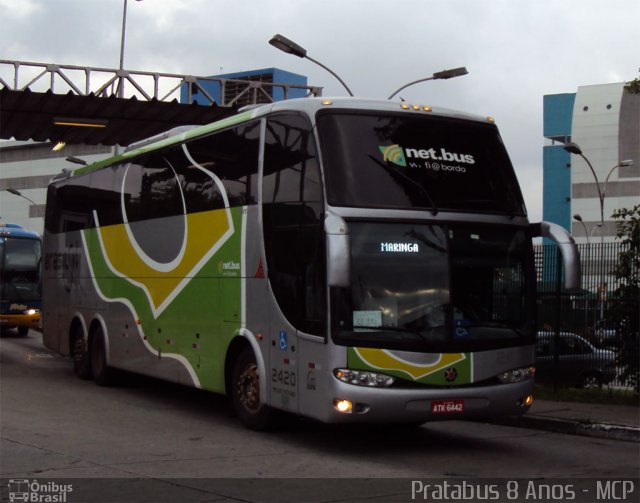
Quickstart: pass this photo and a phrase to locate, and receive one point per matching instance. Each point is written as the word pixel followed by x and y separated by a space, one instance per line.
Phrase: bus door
pixel 292 216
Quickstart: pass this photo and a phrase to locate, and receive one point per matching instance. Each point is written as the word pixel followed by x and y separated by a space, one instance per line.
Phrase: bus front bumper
pixel 363 404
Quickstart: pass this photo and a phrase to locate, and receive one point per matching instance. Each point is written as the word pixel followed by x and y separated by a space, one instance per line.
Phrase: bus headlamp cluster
pixel 363 378
pixel 517 375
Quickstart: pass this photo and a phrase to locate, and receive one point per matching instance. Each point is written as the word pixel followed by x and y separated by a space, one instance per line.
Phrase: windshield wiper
pixel 399 174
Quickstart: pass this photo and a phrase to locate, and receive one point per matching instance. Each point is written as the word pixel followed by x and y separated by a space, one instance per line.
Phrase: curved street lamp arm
pixel 593 172
pixel 409 84
pixel 443 75
pixel 16 192
pixel 331 72
pixel 606 180
pixel 284 44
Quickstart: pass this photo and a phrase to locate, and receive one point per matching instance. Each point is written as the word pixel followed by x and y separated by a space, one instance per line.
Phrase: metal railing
pixel 579 336
pixel 85 80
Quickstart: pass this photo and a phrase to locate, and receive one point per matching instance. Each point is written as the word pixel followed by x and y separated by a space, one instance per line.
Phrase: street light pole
pixel 628 162
pixel 16 192
pixel 443 75
pixel 585 264
pixel 290 47
pixel 597 226
pixel 121 67
pixel 578 218
pixel 124 26
pixel 574 148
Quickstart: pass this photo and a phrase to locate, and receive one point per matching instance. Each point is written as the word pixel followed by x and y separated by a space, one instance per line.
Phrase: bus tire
pixel 101 372
pixel 80 355
pixel 245 392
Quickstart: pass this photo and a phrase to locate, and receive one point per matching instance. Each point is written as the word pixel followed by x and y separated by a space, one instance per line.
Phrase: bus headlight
pixel 517 375
pixel 344 406
pixel 363 378
pixel 31 312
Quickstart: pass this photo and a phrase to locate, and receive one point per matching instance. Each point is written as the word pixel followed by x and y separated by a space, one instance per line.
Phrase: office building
pixel 604 121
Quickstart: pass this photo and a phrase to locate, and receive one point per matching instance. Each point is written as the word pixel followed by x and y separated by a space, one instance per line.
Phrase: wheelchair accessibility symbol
pixel 284 342
pixel 461 329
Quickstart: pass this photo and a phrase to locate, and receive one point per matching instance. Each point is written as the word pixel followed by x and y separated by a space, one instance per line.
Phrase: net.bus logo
pixel 401 156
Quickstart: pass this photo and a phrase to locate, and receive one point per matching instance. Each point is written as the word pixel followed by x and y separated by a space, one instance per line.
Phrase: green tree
pixel 626 311
pixel 633 86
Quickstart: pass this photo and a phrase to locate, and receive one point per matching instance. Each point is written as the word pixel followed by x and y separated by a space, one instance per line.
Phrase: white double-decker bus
pixel 342 259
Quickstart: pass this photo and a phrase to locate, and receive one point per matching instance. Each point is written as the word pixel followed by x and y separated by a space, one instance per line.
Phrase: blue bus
pixel 20 278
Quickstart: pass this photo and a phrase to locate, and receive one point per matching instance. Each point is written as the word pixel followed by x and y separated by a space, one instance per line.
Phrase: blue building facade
pixel 558 113
pixel 267 76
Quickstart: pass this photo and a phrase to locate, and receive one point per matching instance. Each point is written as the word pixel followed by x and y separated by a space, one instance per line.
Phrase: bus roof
pixel 16 231
pixel 311 105
pixel 307 105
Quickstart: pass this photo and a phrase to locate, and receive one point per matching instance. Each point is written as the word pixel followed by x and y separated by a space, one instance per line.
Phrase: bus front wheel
pixel 245 392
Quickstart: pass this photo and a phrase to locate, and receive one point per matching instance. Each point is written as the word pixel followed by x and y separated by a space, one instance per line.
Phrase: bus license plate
pixel 447 406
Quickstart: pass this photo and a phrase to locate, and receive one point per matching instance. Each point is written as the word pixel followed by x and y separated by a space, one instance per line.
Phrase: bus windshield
pixel 424 287
pixel 20 269
pixel 403 161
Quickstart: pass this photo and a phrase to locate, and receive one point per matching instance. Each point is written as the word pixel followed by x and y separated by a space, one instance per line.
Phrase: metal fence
pixel 579 338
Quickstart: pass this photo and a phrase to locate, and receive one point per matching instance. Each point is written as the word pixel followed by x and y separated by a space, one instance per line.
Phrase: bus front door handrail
pixel 568 249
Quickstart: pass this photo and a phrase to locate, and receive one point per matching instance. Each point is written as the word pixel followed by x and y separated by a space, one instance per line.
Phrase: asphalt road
pixel 170 443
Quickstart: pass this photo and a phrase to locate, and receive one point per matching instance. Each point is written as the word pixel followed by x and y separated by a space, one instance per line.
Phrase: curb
pixel 577 427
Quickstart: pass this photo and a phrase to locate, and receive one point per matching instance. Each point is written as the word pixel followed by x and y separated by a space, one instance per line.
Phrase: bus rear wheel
pixel 245 392
pixel 80 355
pixel 100 370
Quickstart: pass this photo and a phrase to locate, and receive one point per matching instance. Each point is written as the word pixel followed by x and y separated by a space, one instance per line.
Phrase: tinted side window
pixel 70 203
pixel 232 155
pixel 165 183
pixel 151 189
pixel 293 221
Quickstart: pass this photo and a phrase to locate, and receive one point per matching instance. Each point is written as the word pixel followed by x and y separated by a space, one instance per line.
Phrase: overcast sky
pixel 516 51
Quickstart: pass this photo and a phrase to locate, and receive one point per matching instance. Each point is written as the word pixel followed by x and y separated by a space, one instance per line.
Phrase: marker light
pixel 426 108
pixel 327 102
pixel 362 378
pixel 416 107
pixel 490 119
pixel 344 406
pixel 404 106
pixel 517 375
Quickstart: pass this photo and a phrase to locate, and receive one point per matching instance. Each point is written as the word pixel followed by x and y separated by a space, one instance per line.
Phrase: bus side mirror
pixel 338 251
pixel 568 250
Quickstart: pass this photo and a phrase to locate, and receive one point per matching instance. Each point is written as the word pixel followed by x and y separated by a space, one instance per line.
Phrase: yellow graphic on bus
pixel 205 233
pixel 384 359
